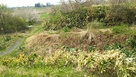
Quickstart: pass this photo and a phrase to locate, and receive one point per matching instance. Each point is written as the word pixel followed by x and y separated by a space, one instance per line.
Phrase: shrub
pixel 131 42
pixel 19 23
pixel 10 23
pixel 109 15
pixel 77 18
pixel 14 24
pixel 119 14
pixel 97 13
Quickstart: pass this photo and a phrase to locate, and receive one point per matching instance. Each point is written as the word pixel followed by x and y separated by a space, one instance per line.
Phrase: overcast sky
pixel 18 3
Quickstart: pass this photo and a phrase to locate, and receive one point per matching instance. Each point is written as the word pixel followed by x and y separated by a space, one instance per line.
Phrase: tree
pixel 70 5
pixel 4 13
pixel 29 14
pixel 10 23
pixel 118 1
pixel 38 5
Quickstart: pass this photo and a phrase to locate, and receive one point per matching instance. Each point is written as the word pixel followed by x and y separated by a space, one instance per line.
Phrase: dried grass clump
pixel 42 42
pixel 42 39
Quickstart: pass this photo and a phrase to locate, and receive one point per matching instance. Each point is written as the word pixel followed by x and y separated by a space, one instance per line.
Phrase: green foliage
pixel 77 18
pixel 19 23
pixel 96 25
pixel 116 46
pixel 119 14
pixel 6 41
pixel 91 48
pixel 122 29
pixel 108 15
pixel 66 29
pixel 131 42
pixel 10 23
pixel 44 15
pixel 97 13
pixel 80 61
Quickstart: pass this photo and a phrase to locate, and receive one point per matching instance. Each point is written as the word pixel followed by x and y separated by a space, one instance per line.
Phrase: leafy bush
pixel 97 13
pixel 10 23
pixel 119 14
pixel 109 15
pixel 131 42
pixel 77 18
pixel 14 24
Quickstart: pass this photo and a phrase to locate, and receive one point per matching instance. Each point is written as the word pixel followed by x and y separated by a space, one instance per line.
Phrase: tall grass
pixel 111 63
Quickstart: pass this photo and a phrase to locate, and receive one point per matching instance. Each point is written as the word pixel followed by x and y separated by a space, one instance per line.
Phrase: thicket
pixel 109 15
pixel 10 23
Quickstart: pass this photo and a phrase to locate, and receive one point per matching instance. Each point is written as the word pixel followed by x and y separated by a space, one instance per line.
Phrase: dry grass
pixel 78 38
pixel 50 42
pixel 2 69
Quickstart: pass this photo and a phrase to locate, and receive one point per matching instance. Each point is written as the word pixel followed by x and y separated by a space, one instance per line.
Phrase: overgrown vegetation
pixel 10 23
pixel 111 63
pixel 6 41
pixel 109 15
pixel 80 40
pixel 29 14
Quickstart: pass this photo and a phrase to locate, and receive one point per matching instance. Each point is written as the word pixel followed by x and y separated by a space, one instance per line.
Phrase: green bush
pixel 108 15
pixel 19 23
pixel 10 23
pixel 77 18
pixel 14 24
pixel 119 14
pixel 131 42
pixel 97 13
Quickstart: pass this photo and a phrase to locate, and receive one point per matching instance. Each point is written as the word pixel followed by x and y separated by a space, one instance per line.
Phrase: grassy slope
pixel 40 72
pixel 55 70
pixel 7 40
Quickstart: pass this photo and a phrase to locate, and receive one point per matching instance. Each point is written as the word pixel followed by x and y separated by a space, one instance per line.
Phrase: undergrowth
pixel 6 41
pixel 111 63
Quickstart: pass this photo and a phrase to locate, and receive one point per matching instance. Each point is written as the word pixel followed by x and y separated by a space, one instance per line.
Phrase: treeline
pixel 41 5
pixel 10 23
pixel 113 13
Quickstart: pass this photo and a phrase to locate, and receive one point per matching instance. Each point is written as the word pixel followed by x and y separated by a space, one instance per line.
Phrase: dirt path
pixel 11 48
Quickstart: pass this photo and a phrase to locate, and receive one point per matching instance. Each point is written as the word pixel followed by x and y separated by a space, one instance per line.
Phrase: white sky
pixel 17 3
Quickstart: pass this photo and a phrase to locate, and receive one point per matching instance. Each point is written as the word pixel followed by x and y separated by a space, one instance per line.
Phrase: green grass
pixel 7 40
pixel 47 71
pixel 37 29
pixel 124 29
pixel 44 15
pixel 96 25
pixel 70 64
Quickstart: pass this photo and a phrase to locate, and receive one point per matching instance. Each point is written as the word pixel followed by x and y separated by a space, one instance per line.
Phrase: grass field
pixel 44 15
